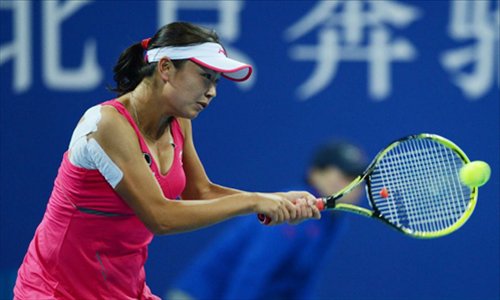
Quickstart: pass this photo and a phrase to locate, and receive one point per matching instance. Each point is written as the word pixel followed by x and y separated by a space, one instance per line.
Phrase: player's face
pixel 190 89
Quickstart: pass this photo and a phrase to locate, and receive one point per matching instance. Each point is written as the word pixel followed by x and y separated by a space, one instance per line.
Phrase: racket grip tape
pixel 320 204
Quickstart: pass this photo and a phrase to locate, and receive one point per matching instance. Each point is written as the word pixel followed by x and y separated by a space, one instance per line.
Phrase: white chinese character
pixel 474 66
pixel 55 75
pixel 19 50
pixel 227 26
pixel 353 31
pixel 89 74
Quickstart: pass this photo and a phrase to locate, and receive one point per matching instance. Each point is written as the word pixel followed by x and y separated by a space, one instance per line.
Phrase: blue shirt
pixel 253 261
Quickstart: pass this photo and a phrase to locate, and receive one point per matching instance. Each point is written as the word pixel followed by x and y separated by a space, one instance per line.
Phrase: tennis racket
pixel 412 185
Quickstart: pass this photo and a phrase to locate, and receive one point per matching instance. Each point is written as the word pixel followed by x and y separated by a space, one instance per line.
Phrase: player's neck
pixel 151 122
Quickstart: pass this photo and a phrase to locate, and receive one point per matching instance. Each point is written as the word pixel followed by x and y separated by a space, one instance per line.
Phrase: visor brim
pixel 229 68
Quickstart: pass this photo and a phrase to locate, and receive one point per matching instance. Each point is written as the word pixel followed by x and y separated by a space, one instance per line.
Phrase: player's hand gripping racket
pixel 413 185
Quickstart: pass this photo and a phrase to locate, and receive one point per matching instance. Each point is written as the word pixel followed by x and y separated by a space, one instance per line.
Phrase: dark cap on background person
pixel 344 155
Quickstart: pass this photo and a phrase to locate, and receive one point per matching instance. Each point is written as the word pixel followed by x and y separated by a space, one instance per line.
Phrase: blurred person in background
pixel 127 160
pixel 251 262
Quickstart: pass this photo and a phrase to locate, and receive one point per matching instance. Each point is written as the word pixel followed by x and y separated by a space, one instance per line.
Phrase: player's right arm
pixel 140 190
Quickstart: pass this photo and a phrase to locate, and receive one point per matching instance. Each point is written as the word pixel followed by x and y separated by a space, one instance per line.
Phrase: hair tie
pixel 145 43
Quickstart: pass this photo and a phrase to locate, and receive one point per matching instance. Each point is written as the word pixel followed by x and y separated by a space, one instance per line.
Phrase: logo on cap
pixel 222 51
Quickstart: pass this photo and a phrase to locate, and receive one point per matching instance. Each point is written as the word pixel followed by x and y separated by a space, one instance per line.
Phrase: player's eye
pixel 211 77
pixel 207 76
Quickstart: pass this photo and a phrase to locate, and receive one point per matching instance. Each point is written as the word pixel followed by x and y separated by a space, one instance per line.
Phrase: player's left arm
pixel 198 185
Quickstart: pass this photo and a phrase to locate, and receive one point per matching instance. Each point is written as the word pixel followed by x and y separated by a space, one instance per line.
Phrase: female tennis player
pixel 127 159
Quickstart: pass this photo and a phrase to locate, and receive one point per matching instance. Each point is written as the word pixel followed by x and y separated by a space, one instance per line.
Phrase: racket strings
pixel 424 190
pixel 439 214
pixel 435 214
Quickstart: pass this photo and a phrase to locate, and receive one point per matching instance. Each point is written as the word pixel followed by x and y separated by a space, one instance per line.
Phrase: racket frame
pixel 330 203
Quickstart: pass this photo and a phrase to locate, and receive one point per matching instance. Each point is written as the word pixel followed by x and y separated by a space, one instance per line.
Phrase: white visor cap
pixel 209 55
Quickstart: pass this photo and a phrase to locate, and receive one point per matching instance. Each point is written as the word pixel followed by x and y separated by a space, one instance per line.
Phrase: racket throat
pixel 330 202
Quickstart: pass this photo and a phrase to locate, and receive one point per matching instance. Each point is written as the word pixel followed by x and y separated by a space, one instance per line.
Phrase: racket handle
pixel 320 204
pixel 264 219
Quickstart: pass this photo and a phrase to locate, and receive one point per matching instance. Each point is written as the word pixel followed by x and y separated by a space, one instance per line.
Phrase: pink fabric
pixel 79 255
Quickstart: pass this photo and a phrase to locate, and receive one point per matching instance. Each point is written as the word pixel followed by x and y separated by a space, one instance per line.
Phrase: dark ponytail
pixel 132 68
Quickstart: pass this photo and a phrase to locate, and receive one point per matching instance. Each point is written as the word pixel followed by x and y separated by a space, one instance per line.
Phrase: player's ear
pixel 165 68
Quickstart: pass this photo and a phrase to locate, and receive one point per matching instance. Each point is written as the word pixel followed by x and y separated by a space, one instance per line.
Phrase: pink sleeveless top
pixel 90 244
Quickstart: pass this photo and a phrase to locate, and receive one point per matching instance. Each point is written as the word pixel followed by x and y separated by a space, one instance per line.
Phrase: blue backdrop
pixel 368 71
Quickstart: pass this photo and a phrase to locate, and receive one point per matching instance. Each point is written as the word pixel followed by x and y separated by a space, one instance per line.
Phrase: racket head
pixel 414 186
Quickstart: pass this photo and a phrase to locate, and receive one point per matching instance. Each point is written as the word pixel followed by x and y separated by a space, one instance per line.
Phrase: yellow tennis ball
pixel 475 174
